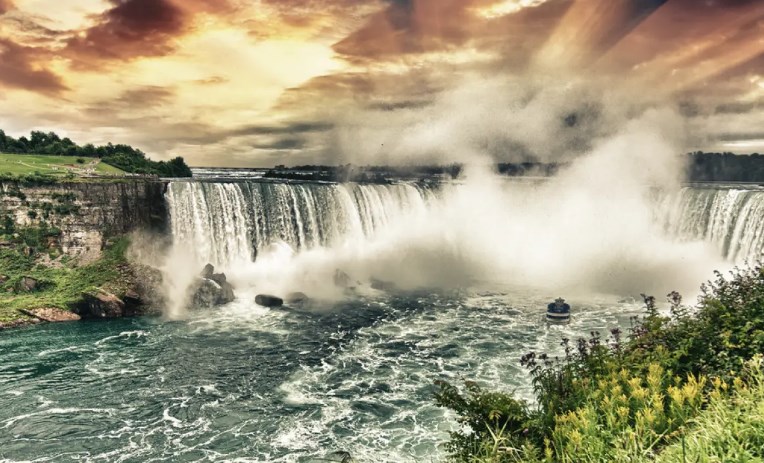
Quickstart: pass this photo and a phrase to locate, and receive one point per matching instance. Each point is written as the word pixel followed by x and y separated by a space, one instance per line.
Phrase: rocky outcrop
pixel 145 294
pixel 26 285
pixel 52 315
pixel 101 304
pixel 87 213
pixel 266 300
pixel 211 289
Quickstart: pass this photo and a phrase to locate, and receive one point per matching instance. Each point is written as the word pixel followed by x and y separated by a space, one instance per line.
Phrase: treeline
pixel 124 157
pixel 362 174
pixel 726 167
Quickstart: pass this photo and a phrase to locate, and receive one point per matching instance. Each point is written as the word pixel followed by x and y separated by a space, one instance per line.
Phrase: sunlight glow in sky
pixel 234 82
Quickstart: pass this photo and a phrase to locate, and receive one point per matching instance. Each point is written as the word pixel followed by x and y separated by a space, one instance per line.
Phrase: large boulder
pixel 101 304
pixel 266 300
pixel 208 293
pixel 207 271
pixel 26 285
pixel 220 279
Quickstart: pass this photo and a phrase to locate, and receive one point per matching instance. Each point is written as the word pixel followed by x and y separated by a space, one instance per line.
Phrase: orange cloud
pixel 19 69
pixel 5 5
pixel 137 28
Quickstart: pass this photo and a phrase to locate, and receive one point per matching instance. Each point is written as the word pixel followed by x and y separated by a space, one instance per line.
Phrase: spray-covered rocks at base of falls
pixel 211 289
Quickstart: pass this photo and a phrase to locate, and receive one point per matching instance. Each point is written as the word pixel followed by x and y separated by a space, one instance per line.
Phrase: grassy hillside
pixel 60 281
pixel 25 164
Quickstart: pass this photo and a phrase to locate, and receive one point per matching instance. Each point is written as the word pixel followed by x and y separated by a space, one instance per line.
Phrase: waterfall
pixel 730 218
pixel 227 222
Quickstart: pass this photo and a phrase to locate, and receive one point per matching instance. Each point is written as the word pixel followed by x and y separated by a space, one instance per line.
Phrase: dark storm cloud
pixel 130 29
pixel 19 68
pixel 137 28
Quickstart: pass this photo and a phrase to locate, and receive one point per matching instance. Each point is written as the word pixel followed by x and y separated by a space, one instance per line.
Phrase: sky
pixel 266 82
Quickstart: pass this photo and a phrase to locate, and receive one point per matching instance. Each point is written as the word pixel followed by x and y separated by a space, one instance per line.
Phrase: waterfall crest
pixel 730 218
pixel 228 222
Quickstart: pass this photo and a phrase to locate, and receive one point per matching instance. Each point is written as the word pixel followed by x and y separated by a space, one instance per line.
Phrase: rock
pixel 341 279
pixel 134 303
pixel 148 286
pixel 3 279
pixel 267 300
pixel 296 298
pixel 132 297
pixel 101 304
pixel 209 293
pixel 228 295
pixel 208 270
pixel 218 278
pixel 52 315
pixel 206 294
pixel 382 285
pixel 27 284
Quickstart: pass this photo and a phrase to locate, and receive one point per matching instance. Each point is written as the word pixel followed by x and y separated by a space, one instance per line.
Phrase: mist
pixel 591 229
pixel 529 117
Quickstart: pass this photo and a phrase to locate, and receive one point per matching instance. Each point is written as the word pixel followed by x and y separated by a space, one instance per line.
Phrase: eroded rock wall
pixel 86 213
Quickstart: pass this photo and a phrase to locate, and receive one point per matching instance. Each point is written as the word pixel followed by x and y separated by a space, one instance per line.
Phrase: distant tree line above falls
pixel 701 167
pixel 124 157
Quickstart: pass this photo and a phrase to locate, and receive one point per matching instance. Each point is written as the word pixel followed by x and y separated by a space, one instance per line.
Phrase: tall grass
pixel 627 398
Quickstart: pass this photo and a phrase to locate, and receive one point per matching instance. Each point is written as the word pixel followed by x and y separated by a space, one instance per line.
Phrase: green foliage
pixel 486 417
pixel 622 400
pixel 62 285
pixel 124 157
pixel 29 179
pixel 730 429
pixel 141 165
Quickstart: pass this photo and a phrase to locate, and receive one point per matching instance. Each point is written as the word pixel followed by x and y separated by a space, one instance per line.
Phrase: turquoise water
pixel 248 384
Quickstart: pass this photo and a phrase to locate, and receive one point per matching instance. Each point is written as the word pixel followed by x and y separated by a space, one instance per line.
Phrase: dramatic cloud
pixel 138 28
pixel 5 5
pixel 20 68
pixel 233 82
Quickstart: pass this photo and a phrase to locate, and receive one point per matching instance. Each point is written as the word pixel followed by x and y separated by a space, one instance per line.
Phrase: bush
pixel 611 400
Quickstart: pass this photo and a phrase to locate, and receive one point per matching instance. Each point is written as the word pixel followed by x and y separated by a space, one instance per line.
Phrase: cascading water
pixel 228 222
pixel 730 218
pixel 240 383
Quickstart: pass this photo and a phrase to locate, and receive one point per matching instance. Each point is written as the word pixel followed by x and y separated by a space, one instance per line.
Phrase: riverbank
pixel 63 244
pixel 37 276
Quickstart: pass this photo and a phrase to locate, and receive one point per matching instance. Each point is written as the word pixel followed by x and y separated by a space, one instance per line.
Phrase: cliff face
pixel 87 214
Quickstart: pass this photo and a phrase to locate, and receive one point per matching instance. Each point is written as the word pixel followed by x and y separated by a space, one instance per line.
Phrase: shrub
pixel 593 403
